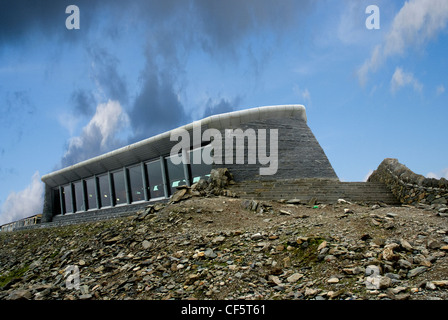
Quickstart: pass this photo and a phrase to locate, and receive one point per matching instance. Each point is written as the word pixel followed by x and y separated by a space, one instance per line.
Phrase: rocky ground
pixel 230 248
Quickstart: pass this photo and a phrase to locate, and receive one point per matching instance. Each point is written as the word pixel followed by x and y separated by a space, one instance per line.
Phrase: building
pixel 129 177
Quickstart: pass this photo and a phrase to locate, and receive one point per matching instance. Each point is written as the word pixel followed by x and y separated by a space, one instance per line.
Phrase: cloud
pixel 367 175
pixel 222 106
pixel 304 94
pixel 437 175
pixel 417 22
pixel 401 79
pixel 440 89
pixel 24 203
pixel 100 135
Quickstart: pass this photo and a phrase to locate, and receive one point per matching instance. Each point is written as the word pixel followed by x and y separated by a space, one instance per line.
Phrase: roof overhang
pixel 160 145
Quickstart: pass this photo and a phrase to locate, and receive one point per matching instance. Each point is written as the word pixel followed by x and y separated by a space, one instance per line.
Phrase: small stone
pixel 209 253
pixel 322 245
pixel 285 213
pixel 256 236
pixel 440 283
pixel 406 245
pixel 333 280
pixel 389 255
pixel 444 248
pixel 404 264
pixel 20 295
pixel 218 239
pixel 294 277
pixel 430 285
pixel 146 244
pixel 275 279
pixel 416 271
pixel 433 244
pixel 280 247
pixel 402 296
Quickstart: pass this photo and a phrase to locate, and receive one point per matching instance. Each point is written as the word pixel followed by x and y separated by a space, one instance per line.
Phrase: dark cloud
pixel 105 73
pixel 157 107
pixel 83 102
pixel 172 30
pixel 222 106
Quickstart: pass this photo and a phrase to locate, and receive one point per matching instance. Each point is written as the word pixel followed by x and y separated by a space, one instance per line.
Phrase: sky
pixel 137 68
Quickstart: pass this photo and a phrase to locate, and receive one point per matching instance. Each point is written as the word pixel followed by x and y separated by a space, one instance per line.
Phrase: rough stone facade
pixel 409 187
pixel 299 153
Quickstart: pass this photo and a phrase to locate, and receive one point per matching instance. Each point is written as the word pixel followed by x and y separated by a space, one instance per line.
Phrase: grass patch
pixel 12 275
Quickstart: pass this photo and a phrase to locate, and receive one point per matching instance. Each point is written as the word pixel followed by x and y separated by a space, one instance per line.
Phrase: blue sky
pixel 137 68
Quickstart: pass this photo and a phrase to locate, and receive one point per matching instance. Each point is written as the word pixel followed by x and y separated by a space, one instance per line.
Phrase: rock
pixel 402 296
pixel 294 201
pixel 384 282
pixel 285 213
pixel 20 295
pixel 406 245
pixel 309 292
pixel 405 264
pixel 322 245
pixel 294 277
pixel 389 255
pixel 220 178
pixel 256 236
pixel 440 283
pixel 146 244
pixel 333 280
pixel 416 271
pixel 209 253
pixel 433 244
pixel 218 240
pixel 274 279
pixel 179 194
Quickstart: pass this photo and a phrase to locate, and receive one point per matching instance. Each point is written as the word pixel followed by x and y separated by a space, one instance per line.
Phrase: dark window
pixel 136 182
pixel 56 202
pixel 105 197
pixel 200 170
pixel 67 197
pixel 155 179
pixel 176 175
pixel 119 187
pixel 79 199
pixel 91 193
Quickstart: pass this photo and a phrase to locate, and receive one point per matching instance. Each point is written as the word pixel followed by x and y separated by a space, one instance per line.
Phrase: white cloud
pixel 99 135
pixel 24 203
pixel 440 89
pixel 442 174
pixel 417 22
pixel 304 94
pixel 367 175
pixel 401 79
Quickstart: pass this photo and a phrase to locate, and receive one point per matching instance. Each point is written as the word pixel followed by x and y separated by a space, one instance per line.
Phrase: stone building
pixel 264 143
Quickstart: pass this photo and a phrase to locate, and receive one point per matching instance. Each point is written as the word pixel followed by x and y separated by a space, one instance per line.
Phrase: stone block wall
pixel 299 153
pixel 409 187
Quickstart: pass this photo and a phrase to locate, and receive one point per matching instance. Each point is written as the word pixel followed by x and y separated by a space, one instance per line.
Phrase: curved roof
pixel 160 145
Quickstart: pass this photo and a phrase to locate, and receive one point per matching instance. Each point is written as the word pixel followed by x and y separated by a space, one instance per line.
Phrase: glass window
pixel 155 179
pixel 136 182
pixel 103 182
pixel 176 175
pixel 79 199
pixel 119 187
pixel 200 170
pixel 56 202
pixel 66 190
pixel 91 193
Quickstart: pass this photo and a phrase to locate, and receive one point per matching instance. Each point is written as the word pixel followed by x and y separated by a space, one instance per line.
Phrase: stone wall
pixel 409 187
pixel 299 153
